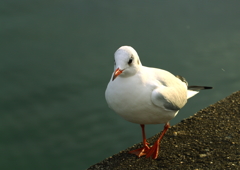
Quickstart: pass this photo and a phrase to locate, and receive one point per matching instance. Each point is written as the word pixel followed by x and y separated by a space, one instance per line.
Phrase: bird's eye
pixel 130 60
pixel 114 62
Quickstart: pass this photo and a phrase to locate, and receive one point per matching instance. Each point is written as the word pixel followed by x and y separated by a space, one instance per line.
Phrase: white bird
pixel 146 95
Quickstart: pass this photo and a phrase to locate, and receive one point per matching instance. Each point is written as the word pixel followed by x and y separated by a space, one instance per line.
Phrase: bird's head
pixel 126 62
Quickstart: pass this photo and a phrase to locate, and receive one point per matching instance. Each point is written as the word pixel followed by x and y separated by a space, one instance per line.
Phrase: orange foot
pixel 141 151
pixel 153 151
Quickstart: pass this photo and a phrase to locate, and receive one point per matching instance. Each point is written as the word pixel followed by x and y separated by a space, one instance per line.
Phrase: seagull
pixel 146 95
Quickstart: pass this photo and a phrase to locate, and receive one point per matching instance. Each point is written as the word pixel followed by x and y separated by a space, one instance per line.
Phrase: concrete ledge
pixel 208 140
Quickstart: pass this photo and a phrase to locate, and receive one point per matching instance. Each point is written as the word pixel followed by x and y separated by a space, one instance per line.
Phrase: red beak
pixel 117 73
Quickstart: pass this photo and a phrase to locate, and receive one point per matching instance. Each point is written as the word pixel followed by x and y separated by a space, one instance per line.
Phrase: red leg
pixel 153 151
pixel 141 151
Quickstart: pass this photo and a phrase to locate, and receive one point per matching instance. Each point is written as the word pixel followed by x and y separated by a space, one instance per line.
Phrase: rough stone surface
pixel 208 140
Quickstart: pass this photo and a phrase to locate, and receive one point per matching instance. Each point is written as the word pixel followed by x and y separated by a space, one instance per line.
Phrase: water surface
pixel 57 58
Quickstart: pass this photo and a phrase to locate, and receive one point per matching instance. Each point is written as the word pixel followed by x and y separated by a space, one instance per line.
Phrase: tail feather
pixel 197 88
pixel 193 90
pixel 191 93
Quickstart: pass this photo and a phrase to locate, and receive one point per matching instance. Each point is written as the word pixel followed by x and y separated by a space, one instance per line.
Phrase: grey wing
pixel 166 99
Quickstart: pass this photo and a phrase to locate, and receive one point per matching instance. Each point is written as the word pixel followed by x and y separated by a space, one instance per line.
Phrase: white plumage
pixel 145 95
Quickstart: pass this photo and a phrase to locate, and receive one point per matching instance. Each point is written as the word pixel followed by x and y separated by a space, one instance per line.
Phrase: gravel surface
pixel 208 140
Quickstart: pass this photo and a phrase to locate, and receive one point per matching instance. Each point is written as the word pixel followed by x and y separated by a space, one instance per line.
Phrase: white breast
pixel 133 102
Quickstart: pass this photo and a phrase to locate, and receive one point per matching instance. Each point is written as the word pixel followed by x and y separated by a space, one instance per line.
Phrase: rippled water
pixel 57 58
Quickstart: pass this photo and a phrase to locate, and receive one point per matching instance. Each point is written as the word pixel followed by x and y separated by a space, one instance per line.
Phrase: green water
pixel 57 58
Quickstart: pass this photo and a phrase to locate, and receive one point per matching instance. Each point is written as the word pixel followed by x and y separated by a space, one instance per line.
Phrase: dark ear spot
pixel 130 60
pixel 138 61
